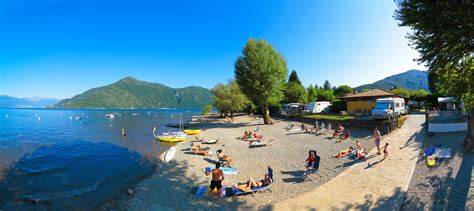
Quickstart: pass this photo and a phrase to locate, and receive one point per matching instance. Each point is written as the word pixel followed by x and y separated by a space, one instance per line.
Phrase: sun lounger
pixel 257 189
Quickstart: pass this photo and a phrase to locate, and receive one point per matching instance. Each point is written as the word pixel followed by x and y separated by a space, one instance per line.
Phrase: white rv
pixel 318 107
pixel 388 107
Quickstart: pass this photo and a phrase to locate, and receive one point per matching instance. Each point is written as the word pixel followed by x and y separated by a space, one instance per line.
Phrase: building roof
pixel 372 93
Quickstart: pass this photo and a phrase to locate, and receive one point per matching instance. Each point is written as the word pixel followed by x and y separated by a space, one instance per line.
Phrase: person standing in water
pixel 154 131
pixel 123 132
pixel 377 140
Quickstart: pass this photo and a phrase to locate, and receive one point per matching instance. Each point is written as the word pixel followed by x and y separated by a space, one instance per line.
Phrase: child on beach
pixel 311 158
pixel 385 152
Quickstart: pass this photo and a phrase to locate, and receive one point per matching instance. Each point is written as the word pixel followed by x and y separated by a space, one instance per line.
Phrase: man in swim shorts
pixel 216 182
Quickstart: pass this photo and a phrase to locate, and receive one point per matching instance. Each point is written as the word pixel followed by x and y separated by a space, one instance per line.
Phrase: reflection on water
pixel 47 156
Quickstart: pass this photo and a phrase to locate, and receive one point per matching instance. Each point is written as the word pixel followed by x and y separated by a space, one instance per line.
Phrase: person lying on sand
pixel 203 152
pixel 224 159
pixel 198 139
pixel 196 146
pixel 344 153
pixel 251 183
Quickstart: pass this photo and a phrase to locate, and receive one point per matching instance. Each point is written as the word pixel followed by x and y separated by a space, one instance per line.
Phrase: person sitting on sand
pixel 338 131
pixel 347 136
pixel 251 183
pixel 224 159
pixel 361 153
pixel 310 160
pixel 358 145
pixel 344 152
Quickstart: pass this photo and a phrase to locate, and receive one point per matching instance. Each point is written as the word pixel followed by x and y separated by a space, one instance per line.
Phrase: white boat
pixel 170 154
pixel 110 116
pixel 178 134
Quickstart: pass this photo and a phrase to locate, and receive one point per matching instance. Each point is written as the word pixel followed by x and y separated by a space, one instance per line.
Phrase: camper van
pixel 292 109
pixel 318 107
pixel 388 107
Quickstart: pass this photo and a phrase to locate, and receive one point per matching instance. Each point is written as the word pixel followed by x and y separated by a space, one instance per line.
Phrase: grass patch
pixel 329 117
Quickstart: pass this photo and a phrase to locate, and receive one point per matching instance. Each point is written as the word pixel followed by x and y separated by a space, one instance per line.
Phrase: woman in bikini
pixel 251 183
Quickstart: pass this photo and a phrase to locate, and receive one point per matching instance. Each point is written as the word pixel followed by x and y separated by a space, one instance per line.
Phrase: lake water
pixel 63 158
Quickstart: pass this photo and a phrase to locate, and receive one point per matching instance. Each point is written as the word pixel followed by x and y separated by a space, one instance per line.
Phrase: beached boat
pixel 171 138
pixel 110 116
pixel 178 133
pixel 192 132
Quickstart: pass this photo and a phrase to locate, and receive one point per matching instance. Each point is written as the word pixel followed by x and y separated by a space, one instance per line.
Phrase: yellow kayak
pixel 172 138
pixel 192 132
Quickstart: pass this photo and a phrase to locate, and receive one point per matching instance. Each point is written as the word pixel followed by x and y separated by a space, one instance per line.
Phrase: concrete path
pixel 372 184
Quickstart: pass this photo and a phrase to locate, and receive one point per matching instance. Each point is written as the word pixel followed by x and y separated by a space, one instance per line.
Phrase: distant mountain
pixel 31 102
pixel 132 93
pixel 411 79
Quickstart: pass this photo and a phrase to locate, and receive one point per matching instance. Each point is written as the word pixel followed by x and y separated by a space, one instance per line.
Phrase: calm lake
pixel 63 158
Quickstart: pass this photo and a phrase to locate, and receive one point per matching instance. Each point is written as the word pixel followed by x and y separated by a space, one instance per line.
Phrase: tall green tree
pixel 326 95
pixel 312 95
pixel 419 96
pixel 443 34
pixel 295 93
pixel 294 77
pixel 342 90
pixel 228 98
pixel 402 91
pixel 261 73
pixel 326 85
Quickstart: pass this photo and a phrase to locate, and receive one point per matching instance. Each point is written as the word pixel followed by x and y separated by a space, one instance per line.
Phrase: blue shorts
pixel 308 165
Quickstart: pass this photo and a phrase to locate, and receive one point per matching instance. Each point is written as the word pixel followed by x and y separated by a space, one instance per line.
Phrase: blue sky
pixel 63 48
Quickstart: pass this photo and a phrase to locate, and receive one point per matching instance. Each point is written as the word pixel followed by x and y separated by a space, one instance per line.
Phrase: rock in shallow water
pixel 130 192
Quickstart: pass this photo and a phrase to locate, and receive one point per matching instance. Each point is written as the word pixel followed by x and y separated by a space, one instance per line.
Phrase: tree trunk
pixel 469 140
pixel 266 115
pixel 222 114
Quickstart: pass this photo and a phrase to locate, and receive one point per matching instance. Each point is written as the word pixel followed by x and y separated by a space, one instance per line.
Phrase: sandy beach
pixel 171 186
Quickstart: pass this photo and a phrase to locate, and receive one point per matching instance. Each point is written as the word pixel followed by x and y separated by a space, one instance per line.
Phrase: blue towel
pixel 224 170
pixel 429 151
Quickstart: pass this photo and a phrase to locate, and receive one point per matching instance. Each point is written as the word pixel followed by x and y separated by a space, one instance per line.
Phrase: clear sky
pixel 54 48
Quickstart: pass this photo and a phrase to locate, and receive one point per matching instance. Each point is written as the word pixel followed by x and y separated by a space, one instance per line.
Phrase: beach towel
pixel 259 144
pixel 429 151
pixel 201 191
pixel 210 141
pixel 224 170
pixel 442 153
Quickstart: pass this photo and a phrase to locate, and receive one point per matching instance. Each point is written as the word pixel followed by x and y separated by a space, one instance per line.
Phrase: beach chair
pixel 238 192
pixel 314 168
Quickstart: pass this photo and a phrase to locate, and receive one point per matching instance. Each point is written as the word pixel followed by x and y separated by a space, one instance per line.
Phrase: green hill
pixel 412 80
pixel 132 93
